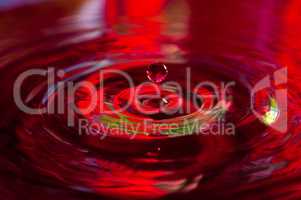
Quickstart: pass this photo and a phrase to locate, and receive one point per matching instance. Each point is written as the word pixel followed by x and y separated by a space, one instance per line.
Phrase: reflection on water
pixel 241 41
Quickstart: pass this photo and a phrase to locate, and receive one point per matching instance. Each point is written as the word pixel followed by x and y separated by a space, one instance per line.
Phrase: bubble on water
pixel 157 72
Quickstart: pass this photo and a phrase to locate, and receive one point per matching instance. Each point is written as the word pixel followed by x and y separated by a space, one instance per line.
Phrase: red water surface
pixel 42 158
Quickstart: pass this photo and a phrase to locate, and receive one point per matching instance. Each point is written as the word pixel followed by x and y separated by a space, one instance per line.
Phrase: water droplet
pixel 60 73
pixel 157 72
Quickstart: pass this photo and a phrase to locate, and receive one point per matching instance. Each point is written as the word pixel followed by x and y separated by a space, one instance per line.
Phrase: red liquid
pixel 157 72
pixel 44 158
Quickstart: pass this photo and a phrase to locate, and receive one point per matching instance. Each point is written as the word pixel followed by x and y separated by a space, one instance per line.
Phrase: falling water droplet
pixel 157 72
